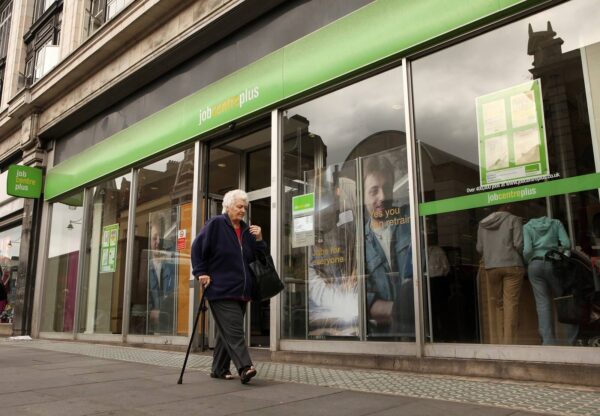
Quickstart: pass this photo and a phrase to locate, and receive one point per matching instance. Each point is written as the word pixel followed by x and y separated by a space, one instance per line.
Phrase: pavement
pixel 44 377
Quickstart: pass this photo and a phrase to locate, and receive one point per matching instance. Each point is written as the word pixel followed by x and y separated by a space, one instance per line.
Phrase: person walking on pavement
pixel 221 253
pixel 500 241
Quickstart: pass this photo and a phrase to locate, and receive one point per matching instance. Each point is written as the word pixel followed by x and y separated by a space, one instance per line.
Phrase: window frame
pixel 45 31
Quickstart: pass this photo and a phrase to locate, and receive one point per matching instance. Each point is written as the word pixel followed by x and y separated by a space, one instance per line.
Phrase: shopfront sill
pixel 6 329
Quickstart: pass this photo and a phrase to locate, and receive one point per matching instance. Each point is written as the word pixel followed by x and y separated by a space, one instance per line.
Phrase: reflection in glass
pixel 58 305
pixel 10 245
pixel 324 253
pixel 333 308
pixel 160 295
pixel 101 307
pixel 558 49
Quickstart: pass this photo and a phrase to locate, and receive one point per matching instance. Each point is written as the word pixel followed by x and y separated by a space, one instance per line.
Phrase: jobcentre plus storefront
pixel 433 194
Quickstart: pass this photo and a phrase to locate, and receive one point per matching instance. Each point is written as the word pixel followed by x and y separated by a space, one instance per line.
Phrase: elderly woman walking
pixel 220 257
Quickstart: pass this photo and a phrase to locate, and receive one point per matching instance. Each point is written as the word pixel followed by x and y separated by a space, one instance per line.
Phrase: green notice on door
pixel 108 250
pixel 303 220
pixel 512 138
pixel 303 203
pixel 24 181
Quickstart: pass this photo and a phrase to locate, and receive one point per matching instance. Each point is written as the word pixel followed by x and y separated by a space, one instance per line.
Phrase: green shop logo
pixel 510 195
pixel 230 103
pixel 24 181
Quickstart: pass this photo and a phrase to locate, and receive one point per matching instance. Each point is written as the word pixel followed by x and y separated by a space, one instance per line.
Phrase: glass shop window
pixel 101 304
pixel 507 139
pixel 346 228
pixel 163 240
pixel 60 283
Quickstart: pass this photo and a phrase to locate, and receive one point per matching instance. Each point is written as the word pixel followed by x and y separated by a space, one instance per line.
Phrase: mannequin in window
pixel 161 282
pixel 542 235
pixel 500 241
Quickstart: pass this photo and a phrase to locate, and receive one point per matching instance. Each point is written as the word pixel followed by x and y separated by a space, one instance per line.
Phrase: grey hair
pixel 232 196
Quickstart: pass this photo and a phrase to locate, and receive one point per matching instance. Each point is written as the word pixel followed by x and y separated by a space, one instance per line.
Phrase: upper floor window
pixel 40 7
pixel 42 40
pixel 5 16
pixel 99 12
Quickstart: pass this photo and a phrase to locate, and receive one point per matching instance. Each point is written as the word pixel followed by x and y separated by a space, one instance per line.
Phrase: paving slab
pixel 77 378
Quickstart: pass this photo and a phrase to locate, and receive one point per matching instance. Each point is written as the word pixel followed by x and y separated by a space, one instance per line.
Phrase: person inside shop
pixel 388 254
pixel 161 281
pixel 542 235
pixel 438 269
pixel 221 254
pixel 500 242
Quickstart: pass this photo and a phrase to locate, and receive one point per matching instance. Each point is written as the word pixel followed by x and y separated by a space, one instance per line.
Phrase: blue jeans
pixel 546 286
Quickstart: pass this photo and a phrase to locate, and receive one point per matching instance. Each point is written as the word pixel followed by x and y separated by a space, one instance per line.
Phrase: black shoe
pixel 247 373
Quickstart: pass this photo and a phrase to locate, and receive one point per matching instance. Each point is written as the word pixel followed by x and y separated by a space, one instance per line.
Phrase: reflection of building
pixel 446 176
pixel 184 178
pixel 565 109
pixel 567 123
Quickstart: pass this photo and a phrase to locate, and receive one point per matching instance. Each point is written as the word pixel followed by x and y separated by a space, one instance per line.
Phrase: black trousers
pixel 230 343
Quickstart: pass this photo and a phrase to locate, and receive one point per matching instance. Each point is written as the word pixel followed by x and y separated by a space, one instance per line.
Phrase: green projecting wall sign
pixel 369 36
pixel 512 137
pixel 515 194
pixel 24 181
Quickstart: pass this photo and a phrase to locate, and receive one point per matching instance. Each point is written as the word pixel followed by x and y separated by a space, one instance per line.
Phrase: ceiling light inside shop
pixel 396 106
pixel 222 165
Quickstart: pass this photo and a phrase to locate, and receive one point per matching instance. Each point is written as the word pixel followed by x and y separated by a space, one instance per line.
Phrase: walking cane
pixel 201 309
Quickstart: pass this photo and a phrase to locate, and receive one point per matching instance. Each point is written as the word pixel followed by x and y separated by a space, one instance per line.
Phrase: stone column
pixel 71 34
pixel 33 156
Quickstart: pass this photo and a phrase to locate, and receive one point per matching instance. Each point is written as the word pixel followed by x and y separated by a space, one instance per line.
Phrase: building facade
pixel 426 174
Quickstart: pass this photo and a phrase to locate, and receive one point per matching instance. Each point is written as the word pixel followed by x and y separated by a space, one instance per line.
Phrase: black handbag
pixel 266 280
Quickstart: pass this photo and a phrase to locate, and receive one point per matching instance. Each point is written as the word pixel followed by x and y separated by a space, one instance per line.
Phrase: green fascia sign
pixel 514 194
pixel 362 39
pixel 24 181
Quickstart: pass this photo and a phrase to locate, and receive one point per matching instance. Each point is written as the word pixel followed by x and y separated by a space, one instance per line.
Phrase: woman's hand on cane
pixel 204 280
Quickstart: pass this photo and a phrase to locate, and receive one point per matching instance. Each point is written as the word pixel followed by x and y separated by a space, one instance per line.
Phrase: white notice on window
pixel 522 108
pixel 303 224
pixel 304 231
pixel 494 117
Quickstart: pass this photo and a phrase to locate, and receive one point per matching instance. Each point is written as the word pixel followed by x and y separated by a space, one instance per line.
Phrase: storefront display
pixel 511 146
pixel 406 198
pixel 159 295
pixel 350 245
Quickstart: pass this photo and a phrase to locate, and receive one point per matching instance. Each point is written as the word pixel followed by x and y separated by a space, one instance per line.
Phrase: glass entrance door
pixel 260 317
pixel 244 162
